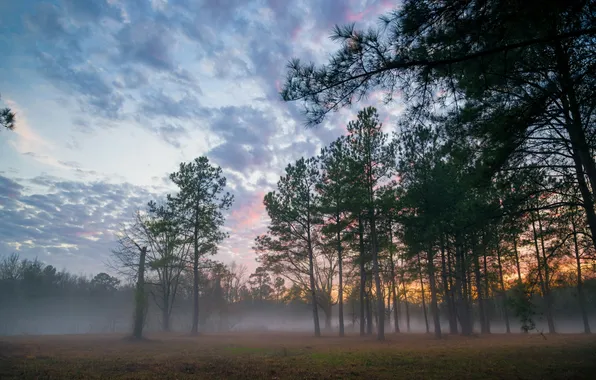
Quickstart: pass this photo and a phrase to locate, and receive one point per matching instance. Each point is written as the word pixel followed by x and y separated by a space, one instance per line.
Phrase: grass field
pixel 297 356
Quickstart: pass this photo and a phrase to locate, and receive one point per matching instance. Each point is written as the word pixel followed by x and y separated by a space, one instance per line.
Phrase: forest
pixel 475 213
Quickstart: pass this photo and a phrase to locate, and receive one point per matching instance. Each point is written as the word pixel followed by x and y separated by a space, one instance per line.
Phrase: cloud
pixel 66 217
pixel 147 43
pixel 28 141
pixel 172 134
pixel 156 103
pixel 202 76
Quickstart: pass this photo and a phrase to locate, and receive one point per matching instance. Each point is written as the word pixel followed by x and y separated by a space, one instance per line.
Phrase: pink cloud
pixel 250 215
pixel 372 10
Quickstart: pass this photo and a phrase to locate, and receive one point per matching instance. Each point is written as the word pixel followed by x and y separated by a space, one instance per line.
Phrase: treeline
pixel 485 193
pixel 36 298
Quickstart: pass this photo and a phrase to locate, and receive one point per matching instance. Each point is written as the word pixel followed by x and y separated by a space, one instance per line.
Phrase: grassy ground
pixel 298 356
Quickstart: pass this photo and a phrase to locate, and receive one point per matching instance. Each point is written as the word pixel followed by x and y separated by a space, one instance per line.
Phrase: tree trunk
pixel 362 275
pixel 580 283
pixel 486 292
pixel 377 277
pixel 313 291
pixel 140 301
pixel 583 159
pixel 469 292
pixel 340 295
pixel 452 291
pixel 539 263
pixel 479 292
pixel 547 295
pixel 406 303
pixel 519 278
pixel 195 283
pixel 165 315
pixel 461 288
pixel 422 292
pixel 328 316
pixel 447 290
pixel 433 293
pixel 369 316
pixel 503 291
pixel 587 197
pixel 393 291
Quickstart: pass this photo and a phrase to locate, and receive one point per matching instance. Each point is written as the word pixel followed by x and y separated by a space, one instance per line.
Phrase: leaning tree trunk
pixel 140 299
pixel 517 265
pixel 575 129
pixel 588 203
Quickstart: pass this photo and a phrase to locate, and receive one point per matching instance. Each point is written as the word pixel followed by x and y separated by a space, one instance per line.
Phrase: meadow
pixel 270 355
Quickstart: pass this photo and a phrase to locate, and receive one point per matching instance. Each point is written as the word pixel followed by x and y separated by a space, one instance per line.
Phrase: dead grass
pixel 298 356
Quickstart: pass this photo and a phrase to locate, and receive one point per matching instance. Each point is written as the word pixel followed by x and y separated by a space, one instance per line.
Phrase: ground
pixel 298 356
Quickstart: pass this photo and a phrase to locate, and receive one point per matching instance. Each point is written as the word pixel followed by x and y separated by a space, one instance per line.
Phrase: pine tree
pixel 200 203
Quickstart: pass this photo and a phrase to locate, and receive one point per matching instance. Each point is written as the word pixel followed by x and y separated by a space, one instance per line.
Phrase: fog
pixel 96 316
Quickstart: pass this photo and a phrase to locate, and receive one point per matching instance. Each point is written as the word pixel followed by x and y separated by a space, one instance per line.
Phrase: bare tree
pixel 167 257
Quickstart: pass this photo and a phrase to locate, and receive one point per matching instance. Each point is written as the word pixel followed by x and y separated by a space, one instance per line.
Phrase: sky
pixel 112 95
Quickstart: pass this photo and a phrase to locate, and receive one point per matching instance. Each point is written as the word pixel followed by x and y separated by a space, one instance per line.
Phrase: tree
pixel 169 248
pixel 260 282
pixel 291 237
pixel 428 37
pixel 104 283
pixel 166 257
pixel 514 88
pixel 140 297
pixel 333 189
pixel 129 258
pixel 200 203
pixel 279 287
pixel 374 158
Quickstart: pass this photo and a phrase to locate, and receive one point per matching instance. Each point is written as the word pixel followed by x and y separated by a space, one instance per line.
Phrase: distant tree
pixel 260 283
pixel 104 283
pixel 233 279
pixel 10 267
pixel 279 288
